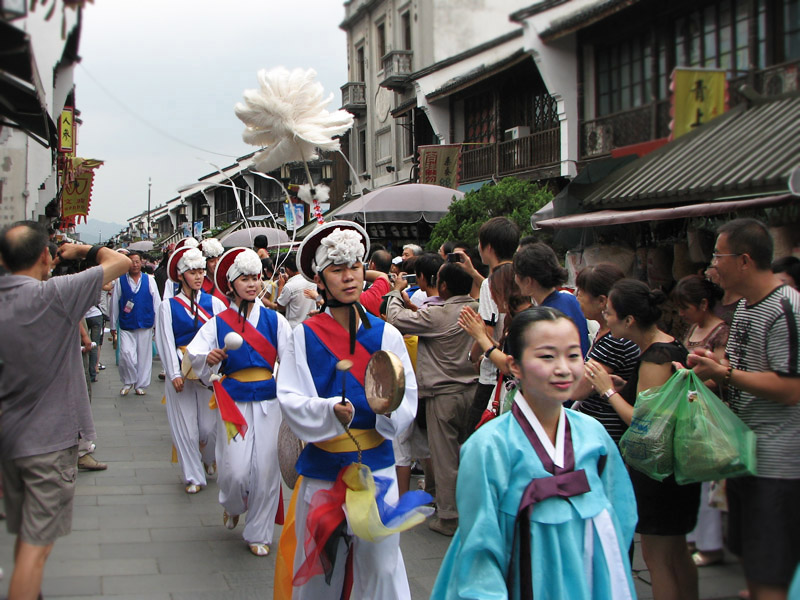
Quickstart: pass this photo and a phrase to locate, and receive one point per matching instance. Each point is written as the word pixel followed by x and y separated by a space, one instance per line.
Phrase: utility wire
pixel 137 116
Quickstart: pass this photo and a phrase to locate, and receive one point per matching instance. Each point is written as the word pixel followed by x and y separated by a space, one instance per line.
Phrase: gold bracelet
pixel 726 381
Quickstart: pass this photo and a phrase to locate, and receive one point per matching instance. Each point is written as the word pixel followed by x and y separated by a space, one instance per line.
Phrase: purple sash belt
pixel 565 483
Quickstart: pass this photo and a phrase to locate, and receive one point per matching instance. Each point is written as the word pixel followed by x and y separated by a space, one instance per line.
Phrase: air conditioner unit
pixel 516 132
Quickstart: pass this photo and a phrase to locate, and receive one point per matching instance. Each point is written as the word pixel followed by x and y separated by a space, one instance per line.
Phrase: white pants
pixel 135 357
pixel 707 535
pixel 378 568
pixel 193 427
pixel 249 476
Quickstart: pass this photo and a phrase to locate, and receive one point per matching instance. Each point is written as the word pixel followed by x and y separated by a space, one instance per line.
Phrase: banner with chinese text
pixel 440 165
pixel 698 95
pixel 76 193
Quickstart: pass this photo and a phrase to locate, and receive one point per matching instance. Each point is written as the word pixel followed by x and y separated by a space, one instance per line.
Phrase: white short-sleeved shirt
pixel 294 300
pixel 490 314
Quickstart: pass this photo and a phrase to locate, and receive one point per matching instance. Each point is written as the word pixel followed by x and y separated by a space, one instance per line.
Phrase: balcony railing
pixel 645 123
pixel 396 69
pixel 528 153
pixel 353 97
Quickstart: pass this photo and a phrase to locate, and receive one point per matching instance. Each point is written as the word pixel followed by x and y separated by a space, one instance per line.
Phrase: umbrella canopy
pixel 143 246
pixel 245 237
pixel 408 203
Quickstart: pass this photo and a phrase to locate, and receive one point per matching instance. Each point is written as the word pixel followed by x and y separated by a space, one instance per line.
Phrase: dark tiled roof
pixel 584 17
pixel 748 151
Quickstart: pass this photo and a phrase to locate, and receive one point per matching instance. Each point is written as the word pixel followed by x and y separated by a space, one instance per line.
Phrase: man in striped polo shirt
pixel 762 379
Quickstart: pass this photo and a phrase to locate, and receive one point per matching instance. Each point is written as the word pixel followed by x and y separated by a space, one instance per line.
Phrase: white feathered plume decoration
pixel 287 115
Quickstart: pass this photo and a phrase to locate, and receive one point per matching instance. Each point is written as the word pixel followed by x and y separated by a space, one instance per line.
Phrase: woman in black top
pixel 618 356
pixel 667 511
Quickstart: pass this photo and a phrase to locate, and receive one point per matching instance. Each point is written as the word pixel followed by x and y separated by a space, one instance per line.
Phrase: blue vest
pixel 314 461
pixel 142 316
pixel 246 357
pixel 184 327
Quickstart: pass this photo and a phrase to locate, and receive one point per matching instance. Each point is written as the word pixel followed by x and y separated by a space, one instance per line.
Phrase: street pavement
pixel 137 534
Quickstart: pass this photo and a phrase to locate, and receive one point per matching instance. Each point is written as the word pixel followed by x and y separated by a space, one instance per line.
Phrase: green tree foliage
pixel 511 197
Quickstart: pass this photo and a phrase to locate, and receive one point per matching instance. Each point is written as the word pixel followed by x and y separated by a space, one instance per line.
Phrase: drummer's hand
pixel 217 355
pixel 343 412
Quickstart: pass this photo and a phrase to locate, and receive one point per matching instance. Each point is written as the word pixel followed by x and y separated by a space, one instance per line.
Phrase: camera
pixel 453 257
pixel 410 279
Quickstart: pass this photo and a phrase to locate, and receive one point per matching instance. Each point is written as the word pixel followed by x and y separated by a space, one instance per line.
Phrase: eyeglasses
pixel 715 256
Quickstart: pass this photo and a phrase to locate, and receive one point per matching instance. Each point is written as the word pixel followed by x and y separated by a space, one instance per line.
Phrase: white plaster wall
pixel 557 62
pixel 12 174
pixel 464 24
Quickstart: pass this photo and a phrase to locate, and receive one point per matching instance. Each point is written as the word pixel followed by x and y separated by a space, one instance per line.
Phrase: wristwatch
pixel 489 351
pixel 608 393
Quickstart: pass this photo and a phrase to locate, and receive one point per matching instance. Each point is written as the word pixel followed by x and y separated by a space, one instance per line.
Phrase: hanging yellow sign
pixel 698 95
pixel 76 195
pixel 66 131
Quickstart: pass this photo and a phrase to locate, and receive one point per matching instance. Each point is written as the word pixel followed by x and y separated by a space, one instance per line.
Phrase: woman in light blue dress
pixel 545 503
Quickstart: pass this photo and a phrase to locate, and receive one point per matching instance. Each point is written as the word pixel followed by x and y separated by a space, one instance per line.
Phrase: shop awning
pixel 22 98
pixel 621 217
pixel 749 151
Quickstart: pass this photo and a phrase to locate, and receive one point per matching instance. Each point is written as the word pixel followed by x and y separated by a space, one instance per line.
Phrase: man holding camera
pixel 43 393
pixel 134 302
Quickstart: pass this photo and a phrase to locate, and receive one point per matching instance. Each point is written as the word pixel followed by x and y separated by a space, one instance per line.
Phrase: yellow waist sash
pixel 367 438
pixel 251 374
pixel 246 376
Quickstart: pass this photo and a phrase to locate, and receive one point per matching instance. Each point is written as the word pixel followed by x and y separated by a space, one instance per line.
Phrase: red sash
pixel 251 335
pixel 230 414
pixel 201 312
pixel 336 339
pixel 208 285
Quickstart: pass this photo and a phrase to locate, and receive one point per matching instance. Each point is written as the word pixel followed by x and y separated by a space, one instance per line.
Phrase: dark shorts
pixel 665 508
pixel 764 527
pixel 38 492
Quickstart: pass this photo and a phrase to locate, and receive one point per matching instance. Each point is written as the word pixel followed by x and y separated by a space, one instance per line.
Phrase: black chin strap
pixel 243 309
pixel 355 309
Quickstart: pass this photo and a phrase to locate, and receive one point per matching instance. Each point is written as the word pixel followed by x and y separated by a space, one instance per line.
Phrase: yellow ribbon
pixel 367 438
pixel 362 510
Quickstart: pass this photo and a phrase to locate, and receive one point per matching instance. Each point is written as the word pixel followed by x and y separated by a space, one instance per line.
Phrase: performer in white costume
pixel 248 418
pixel 171 289
pixel 192 423
pixel 212 250
pixel 134 302
pixel 310 394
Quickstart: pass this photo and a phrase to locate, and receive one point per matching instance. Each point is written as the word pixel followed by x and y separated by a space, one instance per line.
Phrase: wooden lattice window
pixel 480 119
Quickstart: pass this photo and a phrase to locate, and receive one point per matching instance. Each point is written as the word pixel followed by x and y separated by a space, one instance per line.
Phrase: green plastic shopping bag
pixel 710 442
pixel 647 444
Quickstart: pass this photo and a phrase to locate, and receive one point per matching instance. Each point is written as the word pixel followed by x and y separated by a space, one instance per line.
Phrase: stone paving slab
pixel 136 534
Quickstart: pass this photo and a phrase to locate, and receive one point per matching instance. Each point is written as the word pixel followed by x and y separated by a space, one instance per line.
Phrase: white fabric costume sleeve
pixel 217 305
pixel 204 342
pixel 114 308
pixel 310 417
pixel 165 342
pixel 154 293
pixel 169 290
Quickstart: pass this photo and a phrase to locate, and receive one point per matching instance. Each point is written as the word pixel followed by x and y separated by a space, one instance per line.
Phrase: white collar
pixel 556 453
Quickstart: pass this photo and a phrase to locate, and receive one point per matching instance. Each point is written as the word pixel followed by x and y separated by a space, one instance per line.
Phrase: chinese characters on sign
pixel 66 131
pixel 698 95
pixel 440 165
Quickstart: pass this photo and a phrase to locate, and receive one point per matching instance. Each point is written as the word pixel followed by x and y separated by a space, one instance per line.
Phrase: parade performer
pixel 134 304
pixel 545 504
pixel 187 242
pixel 310 390
pixel 192 423
pixel 247 425
pixel 212 250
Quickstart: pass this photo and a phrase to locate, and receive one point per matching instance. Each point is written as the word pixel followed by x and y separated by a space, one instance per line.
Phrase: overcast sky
pixel 181 66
